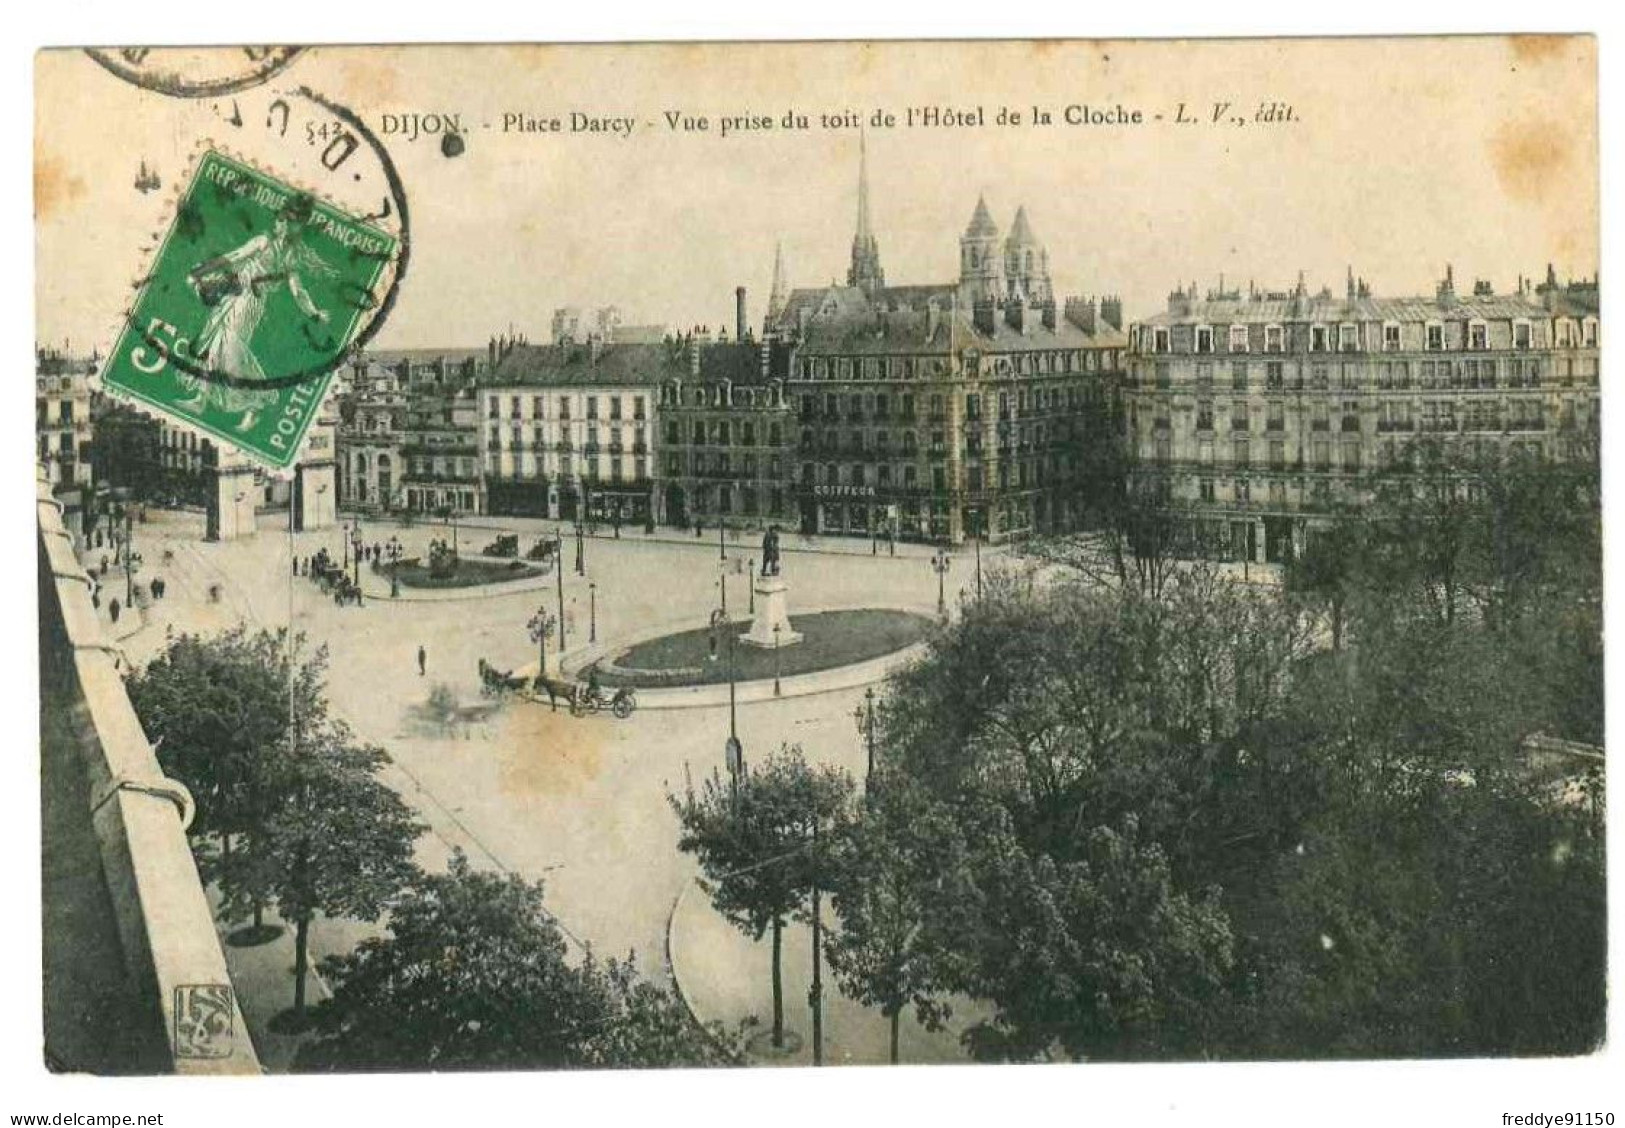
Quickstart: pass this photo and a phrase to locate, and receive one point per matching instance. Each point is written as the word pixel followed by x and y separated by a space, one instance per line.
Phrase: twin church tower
pixel 991 269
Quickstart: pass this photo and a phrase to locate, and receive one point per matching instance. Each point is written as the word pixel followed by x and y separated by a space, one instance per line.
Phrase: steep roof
pixel 981 220
pixel 580 365
pixel 1331 310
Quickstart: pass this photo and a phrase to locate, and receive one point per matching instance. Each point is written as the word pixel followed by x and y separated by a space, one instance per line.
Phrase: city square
pixel 578 802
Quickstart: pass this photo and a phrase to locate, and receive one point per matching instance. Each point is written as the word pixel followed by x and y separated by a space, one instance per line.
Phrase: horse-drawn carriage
pixel 582 698
pixel 506 545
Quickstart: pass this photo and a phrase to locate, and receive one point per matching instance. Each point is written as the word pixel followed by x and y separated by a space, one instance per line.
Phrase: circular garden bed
pixel 470 571
pixel 831 639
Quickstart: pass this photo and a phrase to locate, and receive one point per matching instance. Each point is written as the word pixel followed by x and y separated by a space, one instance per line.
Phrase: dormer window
pixel 1390 336
pixel 1589 330
pixel 1204 338
pixel 1565 333
pixel 1317 338
pixel 1435 336
pixel 1274 339
pixel 1159 341
pixel 1238 338
pixel 1478 336
pixel 1348 338
pixel 1521 335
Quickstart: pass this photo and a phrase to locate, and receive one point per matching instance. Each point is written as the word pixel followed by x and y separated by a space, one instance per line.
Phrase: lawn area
pixel 472 571
pixel 832 639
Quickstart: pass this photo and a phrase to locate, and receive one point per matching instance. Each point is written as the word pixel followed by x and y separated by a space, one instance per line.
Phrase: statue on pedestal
pixel 770 551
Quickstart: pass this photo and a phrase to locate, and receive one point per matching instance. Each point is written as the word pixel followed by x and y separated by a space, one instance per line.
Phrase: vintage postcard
pixel 713 555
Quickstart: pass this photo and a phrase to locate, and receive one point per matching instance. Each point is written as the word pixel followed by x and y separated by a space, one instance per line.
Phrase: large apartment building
pixel 1250 413
pixel 941 411
pixel 568 430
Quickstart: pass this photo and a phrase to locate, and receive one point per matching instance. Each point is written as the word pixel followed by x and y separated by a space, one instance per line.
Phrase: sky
pixel 1402 156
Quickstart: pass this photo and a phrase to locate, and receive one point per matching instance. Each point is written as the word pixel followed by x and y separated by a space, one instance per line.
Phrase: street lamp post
pixel 733 751
pixel 540 626
pixel 776 628
pixel 393 550
pixel 815 994
pixel 581 547
pixel 131 559
pixel 355 543
pixel 722 547
pixel 864 714
pixel 940 562
pixel 751 572
pixel 977 513
pixel 592 612
pixel 559 573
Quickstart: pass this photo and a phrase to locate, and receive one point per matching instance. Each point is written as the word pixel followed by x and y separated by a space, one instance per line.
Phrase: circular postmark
pixel 315 157
pixel 194 72
pixel 279 258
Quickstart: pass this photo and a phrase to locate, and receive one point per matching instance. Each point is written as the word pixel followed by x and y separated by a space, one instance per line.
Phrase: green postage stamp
pixel 252 301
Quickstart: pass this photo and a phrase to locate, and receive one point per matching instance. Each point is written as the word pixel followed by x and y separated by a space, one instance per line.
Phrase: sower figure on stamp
pixel 235 286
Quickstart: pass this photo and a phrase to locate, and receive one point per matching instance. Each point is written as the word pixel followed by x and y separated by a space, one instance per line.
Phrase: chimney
pixel 1049 314
pixel 741 324
pixel 694 344
pixel 1015 313
pixel 982 316
pixel 1111 311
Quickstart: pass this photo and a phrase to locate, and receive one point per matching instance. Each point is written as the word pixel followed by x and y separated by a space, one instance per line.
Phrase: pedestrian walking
pixel 423 660
pixel 113 609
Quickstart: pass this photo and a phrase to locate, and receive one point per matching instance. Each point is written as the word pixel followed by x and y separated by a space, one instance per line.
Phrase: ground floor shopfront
pixel 625 503
pixel 925 516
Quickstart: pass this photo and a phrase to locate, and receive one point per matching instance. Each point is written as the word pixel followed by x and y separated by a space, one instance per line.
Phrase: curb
pixel 677 983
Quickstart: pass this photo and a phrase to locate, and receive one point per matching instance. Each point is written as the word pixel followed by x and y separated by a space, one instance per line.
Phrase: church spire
pixel 865 271
pixel 777 297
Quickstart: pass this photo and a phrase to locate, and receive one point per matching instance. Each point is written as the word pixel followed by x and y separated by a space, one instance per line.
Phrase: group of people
pixel 334 580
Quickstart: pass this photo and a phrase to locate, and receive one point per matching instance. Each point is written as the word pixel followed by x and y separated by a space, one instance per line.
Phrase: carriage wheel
pixel 622 707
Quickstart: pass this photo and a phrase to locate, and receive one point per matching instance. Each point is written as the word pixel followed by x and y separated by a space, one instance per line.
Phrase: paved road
pixel 578 802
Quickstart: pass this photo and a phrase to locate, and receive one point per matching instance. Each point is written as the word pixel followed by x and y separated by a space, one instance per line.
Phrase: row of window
pixel 1392 414
pixel 1389 336
pixel 1350 376
pixel 721 432
pixel 1034 363
pixel 614 406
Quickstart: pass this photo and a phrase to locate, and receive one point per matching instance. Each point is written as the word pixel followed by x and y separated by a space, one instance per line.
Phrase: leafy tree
pixel 218 710
pixel 1101 956
pixel 339 842
pixel 904 880
pixel 754 844
pixel 474 974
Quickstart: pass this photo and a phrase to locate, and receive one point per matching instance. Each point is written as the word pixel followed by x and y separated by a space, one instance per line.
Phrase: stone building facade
pixel 725 426
pixel 568 430
pixel 946 410
pixel 1251 413
pixel 62 424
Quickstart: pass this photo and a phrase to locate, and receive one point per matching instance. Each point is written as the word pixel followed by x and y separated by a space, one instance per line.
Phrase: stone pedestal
pixel 772 609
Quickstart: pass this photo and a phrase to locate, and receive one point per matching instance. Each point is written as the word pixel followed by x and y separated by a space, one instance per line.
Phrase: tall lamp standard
pixel 722 547
pixel 559 574
pixel 592 612
pixel 581 547
pixel 540 627
pixel 940 563
pixel 393 551
pixel 132 559
pixel 750 570
pixel 733 751
pixel 864 714
pixel 776 628
pixel 976 514
pixel 355 543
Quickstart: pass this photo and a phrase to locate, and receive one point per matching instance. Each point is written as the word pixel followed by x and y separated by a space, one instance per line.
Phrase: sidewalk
pixel 745 542
pixel 722 975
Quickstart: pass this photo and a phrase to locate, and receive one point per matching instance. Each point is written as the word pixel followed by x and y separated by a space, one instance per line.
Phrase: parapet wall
pixel 165 931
